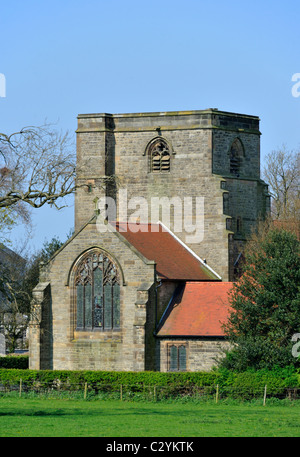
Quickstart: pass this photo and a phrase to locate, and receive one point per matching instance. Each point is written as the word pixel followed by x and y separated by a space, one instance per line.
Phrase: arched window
pixel 236 156
pixel 97 284
pixel 159 156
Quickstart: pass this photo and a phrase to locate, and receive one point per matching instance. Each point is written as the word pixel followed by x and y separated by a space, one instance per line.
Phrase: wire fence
pixel 124 392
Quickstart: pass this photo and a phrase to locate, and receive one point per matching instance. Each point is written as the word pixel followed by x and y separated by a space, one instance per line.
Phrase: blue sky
pixel 62 58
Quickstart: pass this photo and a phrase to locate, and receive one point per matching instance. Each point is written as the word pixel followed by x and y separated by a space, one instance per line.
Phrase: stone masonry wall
pixel 201 353
pixel 199 144
pixel 98 350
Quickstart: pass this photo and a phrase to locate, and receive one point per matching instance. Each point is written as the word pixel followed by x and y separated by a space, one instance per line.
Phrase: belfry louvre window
pixel 159 157
pixel 97 284
pixel 177 357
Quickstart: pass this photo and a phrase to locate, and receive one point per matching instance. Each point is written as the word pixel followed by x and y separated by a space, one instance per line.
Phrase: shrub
pixel 20 361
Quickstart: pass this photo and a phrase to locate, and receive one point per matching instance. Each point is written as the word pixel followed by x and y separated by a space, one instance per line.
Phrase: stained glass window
pixel 97 286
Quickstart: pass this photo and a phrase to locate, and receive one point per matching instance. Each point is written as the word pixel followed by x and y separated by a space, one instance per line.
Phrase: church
pixel 164 204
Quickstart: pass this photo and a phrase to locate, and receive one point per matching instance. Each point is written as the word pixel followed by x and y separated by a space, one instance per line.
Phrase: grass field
pixel 112 418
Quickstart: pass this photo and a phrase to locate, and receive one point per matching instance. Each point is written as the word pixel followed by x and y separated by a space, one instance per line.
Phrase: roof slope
pixel 9 257
pixel 199 309
pixel 173 259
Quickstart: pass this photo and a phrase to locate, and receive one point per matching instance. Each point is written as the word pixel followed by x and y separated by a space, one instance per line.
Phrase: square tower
pixel 196 171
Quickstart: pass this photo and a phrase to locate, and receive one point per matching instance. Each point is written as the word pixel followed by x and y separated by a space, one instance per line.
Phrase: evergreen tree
pixel 265 305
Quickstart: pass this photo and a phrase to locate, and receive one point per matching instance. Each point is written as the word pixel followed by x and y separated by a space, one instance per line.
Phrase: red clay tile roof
pixel 173 259
pixel 199 310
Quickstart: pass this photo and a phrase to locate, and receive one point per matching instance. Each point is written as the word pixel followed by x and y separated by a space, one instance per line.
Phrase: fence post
pixel 217 393
pixel 265 395
pixel 20 388
pixel 85 390
pixel 154 393
pixel 121 392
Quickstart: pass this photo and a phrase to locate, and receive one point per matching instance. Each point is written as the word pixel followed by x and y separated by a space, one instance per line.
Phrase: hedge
pixel 15 361
pixel 243 384
pixel 250 383
pixel 115 378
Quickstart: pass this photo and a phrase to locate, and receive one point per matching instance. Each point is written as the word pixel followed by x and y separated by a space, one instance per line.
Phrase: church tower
pixel 196 171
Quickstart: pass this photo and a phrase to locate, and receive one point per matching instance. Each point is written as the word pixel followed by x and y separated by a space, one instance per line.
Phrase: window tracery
pixel 159 157
pixel 97 284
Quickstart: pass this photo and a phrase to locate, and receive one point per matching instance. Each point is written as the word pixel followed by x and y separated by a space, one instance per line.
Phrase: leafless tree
pixel 38 168
pixel 14 297
pixel 282 172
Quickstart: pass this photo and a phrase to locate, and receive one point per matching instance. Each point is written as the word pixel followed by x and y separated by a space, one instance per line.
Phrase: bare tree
pixel 38 168
pixel 14 298
pixel 282 172
pixel 14 326
pixel 19 275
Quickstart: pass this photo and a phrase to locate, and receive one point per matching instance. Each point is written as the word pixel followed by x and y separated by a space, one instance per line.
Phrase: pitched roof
pixel 198 309
pixel 9 257
pixel 174 260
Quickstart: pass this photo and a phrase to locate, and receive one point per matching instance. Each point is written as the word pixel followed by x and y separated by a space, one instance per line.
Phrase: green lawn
pixel 26 417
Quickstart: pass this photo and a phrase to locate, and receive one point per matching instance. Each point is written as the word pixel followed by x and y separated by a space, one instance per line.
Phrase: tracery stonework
pixel 159 156
pixel 97 285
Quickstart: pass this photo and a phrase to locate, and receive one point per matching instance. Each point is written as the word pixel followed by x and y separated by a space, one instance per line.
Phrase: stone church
pixel 164 204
